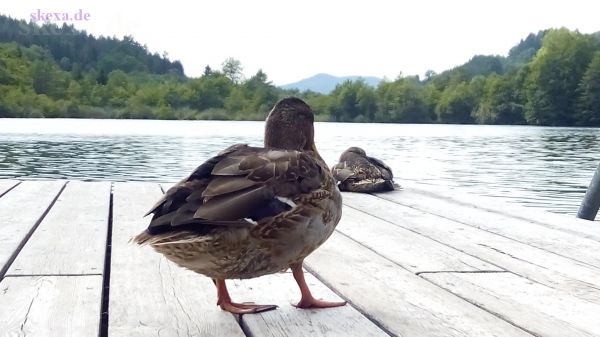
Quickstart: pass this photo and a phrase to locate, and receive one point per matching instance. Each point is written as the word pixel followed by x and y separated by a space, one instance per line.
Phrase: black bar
pixel 591 200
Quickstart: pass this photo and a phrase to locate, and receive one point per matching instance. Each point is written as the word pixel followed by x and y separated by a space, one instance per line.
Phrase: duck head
pixel 353 153
pixel 356 150
pixel 289 126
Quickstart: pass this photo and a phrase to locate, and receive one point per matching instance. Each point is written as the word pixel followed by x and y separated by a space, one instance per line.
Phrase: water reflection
pixel 542 167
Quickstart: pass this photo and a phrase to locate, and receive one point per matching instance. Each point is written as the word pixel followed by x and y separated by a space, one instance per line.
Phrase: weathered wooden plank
pixel 6 185
pixel 540 309
pixel 20 211
pixel 281 289
pixel 535 264
pixel 563 222
pixel 406 247
pixel 401 302
pixel 150 296
pixel 559 242
pixel 50 306
pixel 72 237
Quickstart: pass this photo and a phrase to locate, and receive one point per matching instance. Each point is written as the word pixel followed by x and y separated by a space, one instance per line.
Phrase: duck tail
pixel 142 239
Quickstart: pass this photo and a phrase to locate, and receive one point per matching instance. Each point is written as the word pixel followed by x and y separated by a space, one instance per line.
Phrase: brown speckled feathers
pixel 357 172
pixel 241 183
pixel 250 211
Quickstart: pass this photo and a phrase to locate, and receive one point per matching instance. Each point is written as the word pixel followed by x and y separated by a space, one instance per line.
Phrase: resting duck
pixel 252 211
pixel 357 172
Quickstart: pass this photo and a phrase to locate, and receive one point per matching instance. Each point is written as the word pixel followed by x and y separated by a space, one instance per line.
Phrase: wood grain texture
pixel 551 289
pixel 150 296
pixel 6 185
pixel 406 247
pixel 569 245
pixel 72 237
pixel 287 320
pixel 401 302
pixel 20 210
pixel 50 306
pixel 563 222
pixel 535 264
pixel 540 309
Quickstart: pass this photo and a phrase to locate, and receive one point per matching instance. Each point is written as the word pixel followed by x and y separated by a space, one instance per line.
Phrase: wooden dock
pixel 414 262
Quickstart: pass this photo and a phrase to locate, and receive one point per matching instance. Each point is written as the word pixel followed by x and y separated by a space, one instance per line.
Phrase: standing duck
pixel 252 211
pixel 357 172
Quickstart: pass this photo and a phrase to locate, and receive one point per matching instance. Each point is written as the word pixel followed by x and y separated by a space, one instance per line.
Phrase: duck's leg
pixel 308 301
pixel 224 301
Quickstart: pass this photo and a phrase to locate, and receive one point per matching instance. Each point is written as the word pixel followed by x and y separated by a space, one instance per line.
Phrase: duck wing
pixel 342 171
pixel 386 171
pixel 237 187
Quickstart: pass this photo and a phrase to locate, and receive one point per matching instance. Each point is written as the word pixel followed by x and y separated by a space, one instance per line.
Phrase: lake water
pixel 543 167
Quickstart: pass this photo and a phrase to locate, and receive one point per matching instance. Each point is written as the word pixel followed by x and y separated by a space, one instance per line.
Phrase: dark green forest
pixel 548 78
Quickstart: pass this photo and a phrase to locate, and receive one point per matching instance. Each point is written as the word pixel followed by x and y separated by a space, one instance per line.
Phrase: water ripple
pixel 548 168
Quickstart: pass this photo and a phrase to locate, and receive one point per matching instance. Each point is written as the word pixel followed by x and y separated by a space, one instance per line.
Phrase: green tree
pixel 261 95
pixel 209 91
pixel 456 104
pixel 207 71
pixel 588 113
pixel 556 72
pixel 353 101
pixel 42 76
pixel 232 69
pixel 551 78
pixel 235 102
pixel 402 101
pixel 320 104
pixel 500 103
pixel 118 88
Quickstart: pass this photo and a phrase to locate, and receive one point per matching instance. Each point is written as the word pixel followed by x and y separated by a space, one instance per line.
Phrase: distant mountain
pixel 325 83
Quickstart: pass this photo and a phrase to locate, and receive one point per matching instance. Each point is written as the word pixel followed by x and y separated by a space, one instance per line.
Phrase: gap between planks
pixel 540 247
pixel 537 216
pixel 484 308
pixel 407 269
pixel 462 272
pixel 2 193
pixel 538 235
pixel 418 233
pixel 105 297
pixel 67 275
pixel 14 255
pixel 349 302
pixel 463 223
pixel 561 274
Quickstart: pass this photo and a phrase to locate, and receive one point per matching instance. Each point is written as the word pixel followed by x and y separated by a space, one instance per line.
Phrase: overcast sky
pixel 291 40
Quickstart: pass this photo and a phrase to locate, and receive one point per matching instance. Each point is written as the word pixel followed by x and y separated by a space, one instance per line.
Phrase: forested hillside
pixel 549 78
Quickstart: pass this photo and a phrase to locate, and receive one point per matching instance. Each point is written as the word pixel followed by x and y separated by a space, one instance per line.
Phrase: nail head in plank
pixel 149 295
pixel 72 237
pixel 59 306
